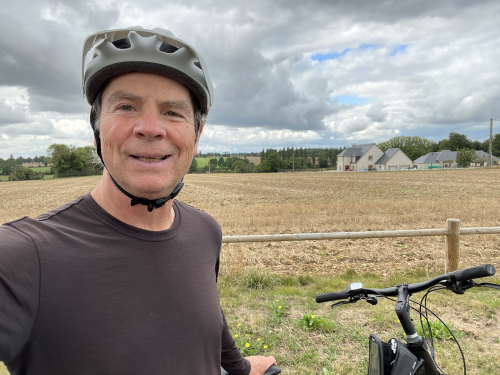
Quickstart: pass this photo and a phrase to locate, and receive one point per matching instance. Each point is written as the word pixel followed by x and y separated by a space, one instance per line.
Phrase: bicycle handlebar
pixel 474 272
pixel 462 275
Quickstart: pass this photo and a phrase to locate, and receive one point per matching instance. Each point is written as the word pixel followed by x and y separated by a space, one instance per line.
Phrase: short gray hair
pixel 95 112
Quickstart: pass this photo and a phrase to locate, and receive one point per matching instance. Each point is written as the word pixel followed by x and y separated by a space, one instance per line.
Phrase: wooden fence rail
pixel 452 233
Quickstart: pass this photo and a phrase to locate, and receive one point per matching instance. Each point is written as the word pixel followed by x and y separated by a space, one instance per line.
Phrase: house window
pixel 370 157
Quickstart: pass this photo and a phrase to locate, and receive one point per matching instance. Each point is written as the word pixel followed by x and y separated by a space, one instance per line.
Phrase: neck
pixel 117 204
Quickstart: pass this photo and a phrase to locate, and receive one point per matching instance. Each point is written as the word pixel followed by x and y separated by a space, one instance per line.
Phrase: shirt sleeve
pixel 231 358
pixel 19 290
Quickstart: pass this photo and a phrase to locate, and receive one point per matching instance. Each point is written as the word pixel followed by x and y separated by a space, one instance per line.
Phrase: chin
pixel 153 188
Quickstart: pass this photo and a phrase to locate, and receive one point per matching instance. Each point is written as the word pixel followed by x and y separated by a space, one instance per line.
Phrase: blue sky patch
pixel 350 99
pixel 329 56
pixel 335 55
pixel 399 49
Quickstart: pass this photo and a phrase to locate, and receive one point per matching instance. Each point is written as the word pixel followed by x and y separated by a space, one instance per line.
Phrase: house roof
pixel 387 156
pixel 358 150
pixel 430 158
pixel 433 157
pixel 447 155
pixel 481 153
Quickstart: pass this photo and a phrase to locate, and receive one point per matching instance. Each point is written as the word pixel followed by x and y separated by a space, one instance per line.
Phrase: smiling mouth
pixel 150 160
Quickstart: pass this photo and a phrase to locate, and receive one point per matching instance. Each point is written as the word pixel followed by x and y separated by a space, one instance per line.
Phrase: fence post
pixel 452 245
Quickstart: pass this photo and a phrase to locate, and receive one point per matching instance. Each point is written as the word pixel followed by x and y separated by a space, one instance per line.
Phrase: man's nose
pixel 149 126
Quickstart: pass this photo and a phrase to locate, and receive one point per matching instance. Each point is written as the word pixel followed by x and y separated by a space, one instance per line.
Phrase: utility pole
pixel 491 143
pixel 293 159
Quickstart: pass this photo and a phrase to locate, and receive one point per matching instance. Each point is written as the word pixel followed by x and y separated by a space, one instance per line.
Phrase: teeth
pixel 151 160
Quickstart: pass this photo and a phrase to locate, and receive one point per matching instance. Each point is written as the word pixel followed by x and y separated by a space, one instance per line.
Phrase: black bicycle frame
pixel 415 342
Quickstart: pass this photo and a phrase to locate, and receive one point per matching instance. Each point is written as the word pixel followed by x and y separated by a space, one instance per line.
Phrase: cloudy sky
pixel 316 73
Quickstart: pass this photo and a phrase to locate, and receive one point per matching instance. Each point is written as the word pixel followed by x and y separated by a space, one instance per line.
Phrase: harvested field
pixel 320 202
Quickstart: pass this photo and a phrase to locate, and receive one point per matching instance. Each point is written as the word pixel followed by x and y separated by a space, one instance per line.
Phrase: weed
pixel 349 274
pixel 438 329
pixel 309 321
pixel 256 279
pixel 305 280
pixel 325 371
pixel 247 344
pixel 288 281
pixel 278 311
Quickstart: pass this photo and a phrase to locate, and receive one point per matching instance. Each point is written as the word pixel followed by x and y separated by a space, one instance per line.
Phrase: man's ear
pixel 197 140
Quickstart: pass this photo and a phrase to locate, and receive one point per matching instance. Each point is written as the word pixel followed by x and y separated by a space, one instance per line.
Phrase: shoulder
pixel 194 213
pixel 196 219
pixel 21 232
pixel 18 253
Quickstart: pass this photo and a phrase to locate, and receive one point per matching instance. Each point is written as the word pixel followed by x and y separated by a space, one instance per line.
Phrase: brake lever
pixel 489 285
pixel 342 303
pixel 355 298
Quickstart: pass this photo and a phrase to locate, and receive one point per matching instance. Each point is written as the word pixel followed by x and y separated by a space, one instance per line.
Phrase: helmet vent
pixel 167 48
pixel 122 43
pixel 197 63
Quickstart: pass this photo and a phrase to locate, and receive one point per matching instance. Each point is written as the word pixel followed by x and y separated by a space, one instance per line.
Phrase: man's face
pixel 147 133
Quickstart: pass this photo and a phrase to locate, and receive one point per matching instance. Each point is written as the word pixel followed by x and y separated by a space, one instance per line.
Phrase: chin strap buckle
pixel 151 204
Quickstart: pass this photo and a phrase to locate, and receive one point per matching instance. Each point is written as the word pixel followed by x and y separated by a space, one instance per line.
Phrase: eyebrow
pixel 180 104
pixel 183 105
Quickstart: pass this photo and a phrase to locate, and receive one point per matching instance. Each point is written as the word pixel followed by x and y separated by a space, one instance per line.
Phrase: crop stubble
pixel 320 202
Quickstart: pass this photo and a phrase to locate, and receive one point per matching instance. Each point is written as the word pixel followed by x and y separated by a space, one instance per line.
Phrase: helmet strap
pixel 150 203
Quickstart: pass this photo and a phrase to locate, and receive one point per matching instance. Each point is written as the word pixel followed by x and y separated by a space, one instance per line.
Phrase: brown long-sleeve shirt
pixel 84 293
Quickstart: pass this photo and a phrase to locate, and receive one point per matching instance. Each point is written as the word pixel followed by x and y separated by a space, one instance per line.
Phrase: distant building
pixel 369 156
pixel 447 159
pixel 394 159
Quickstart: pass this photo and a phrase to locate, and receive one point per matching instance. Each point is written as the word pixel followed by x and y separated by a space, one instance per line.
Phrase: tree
pixel 213 163
pixel 458 141
pixel 443 144
pixel 413 147
pixel 323 159
pixel 22 173
pixel 194 166
pixel 273 162
pixel 496 145
pixel 220 163
pixel 465 156
pixel 313 157
pixel 60 155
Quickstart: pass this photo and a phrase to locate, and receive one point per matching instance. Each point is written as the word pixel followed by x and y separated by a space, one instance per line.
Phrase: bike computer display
pixel 354 287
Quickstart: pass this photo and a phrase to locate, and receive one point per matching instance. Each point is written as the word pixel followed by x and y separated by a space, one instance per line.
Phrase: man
pixel 123 279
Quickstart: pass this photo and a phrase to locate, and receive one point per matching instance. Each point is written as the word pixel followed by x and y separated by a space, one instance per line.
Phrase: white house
pixel 394 159
pixel 359 157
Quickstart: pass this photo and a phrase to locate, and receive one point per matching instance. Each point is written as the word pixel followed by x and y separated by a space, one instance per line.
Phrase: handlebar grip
pixel 474 273
pixel 273 370
pixel 331 296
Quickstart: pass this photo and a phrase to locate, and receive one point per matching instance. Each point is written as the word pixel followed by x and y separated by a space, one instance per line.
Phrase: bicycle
pixel 417 357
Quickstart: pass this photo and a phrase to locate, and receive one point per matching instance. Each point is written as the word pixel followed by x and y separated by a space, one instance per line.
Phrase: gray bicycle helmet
pixel 135 49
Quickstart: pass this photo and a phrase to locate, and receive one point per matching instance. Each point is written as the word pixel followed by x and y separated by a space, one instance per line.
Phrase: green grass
pixel 41 169
pixel 204 161
pixel 310 338
pixel 45 177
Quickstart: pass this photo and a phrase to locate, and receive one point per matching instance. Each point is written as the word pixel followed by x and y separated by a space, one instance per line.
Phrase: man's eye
pixel 171 113
pixel 126 107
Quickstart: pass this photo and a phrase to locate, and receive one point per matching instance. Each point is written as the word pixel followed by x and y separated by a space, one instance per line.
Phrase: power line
pixel 449 130
pixel 486 136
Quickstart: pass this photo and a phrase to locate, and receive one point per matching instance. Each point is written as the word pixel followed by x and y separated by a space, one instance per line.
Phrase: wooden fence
pixel 452 233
